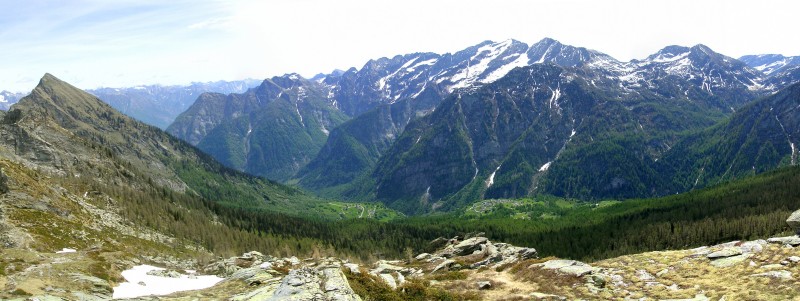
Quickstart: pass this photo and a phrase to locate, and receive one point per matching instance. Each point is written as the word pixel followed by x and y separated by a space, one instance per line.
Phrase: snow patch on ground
pixel 545 166
pixel 66 250
pixel 158 286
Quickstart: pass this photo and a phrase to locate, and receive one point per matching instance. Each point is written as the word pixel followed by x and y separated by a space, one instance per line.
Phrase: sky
pixel 123 43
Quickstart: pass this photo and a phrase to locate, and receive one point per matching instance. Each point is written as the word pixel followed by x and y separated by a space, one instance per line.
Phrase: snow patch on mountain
pixel 484 56
pixel 521 61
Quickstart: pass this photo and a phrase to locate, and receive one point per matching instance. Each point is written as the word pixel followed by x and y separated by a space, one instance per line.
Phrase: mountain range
pixel 425 131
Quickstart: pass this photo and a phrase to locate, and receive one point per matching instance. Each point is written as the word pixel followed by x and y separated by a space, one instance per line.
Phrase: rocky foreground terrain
pixel 474 268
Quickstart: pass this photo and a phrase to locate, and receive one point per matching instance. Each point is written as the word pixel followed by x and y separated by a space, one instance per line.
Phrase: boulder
pixel 323 282
pixel 484 285
pixel 469 246
pixel 528 253
pixel 788 240
pixel 423 256
pixel 781 275
pixel 644 275
pixel 727 252
pixel 383 267
pixel 755 246
pixel 568 267
pixel 725 262
pixel 447 265
pixel 244 262
pixel 794 221
pixel 164 273
pixel 336 286
pixel 353 268
pixel 389 279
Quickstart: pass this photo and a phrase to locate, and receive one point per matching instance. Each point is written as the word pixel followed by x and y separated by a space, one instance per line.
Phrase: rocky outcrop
pixel 326 282
pixel 490 254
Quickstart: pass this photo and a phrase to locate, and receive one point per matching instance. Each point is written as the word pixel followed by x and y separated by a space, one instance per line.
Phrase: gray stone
pixel 446 265
pixel 353 268
pixel 794 259
pixel 484 285
pixel 755 246
pixel 788 240
pixel 98 286
pixel 299 284
pixel 336 285
pixel 423 256
pixel 577 270
pixel 727 252
pixel 725 262
pixel 384 267
pixel 569 267
pixel 782 275
pixel 771 266
pixel 528 253
pixel 246 273
pixel 644 275
pixel 794 221
pixel 389 279
pixel 469 246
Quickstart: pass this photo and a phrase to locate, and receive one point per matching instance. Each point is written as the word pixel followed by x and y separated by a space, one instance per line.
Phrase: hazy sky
pixel 93 43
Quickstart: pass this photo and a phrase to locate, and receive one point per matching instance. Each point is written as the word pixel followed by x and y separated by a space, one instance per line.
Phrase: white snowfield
pixel 157 286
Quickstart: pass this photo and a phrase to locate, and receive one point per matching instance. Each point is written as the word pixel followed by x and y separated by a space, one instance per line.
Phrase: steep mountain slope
pixel 62 130
pixel 271 130
pixel 708 84
pixel 519 136
pixel 760 137
pixel 353 149
pixel 159 105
